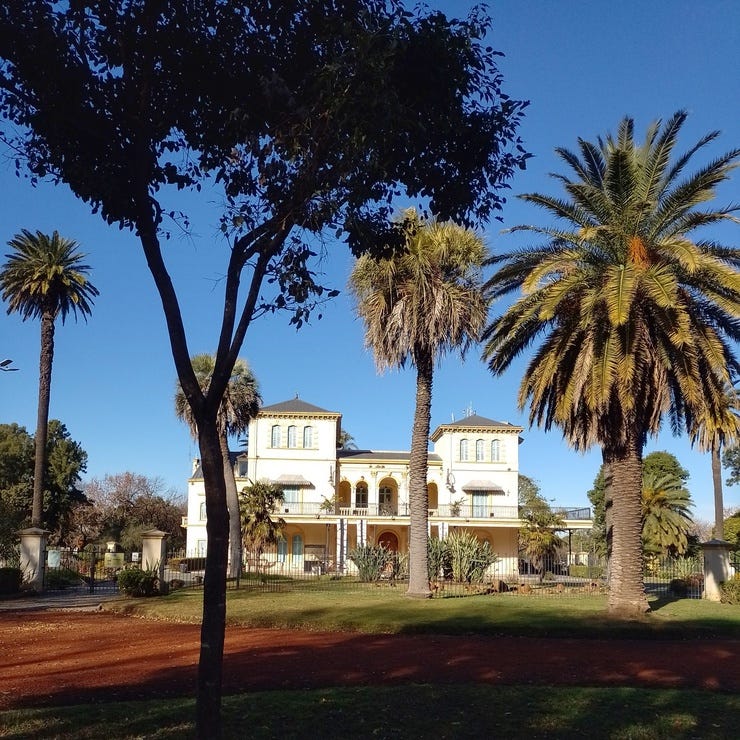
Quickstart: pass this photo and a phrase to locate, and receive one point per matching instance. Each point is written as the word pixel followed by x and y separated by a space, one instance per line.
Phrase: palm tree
pixel 240 403
pixel 258 503
pixel 634 319
pixel 713 429
pixel 418 304
pixel 44 278
pixel 666 515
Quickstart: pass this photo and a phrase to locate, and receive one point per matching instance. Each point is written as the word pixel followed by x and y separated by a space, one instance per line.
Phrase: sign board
pixel 53 558
pixel 114 560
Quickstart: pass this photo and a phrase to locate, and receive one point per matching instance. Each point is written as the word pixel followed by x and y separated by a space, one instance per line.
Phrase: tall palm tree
pixel 240 403
pixel 713 429
pixel 418 304
pixel 258 503
pixel 44 278
pixel 633 317
pixel 666 514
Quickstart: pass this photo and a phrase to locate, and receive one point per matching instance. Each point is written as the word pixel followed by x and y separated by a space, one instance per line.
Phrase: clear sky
pixel 583 64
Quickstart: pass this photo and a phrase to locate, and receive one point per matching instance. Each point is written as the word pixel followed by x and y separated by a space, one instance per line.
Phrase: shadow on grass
pixel 417 711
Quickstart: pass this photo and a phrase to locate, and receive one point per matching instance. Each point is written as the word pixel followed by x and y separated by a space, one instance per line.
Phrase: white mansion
pixel 336 499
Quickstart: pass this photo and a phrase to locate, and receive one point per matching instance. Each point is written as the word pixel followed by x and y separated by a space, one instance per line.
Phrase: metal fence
pixel 96 568
pixel 277 571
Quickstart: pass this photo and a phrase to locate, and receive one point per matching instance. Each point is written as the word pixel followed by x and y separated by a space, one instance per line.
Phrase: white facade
pixel 336 499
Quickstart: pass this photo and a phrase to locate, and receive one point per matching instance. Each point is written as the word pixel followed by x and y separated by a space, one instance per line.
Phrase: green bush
pixel 586 571
pixel 371 561
pixel 136 582
pixel 10 580
pixel 730 590
pixel 438 559
pixel 55 578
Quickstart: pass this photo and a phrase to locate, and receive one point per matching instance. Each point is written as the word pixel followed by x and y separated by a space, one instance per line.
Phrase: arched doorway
pixel 389 540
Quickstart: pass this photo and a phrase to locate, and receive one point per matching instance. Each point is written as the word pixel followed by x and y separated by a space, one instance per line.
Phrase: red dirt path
pixel 49 658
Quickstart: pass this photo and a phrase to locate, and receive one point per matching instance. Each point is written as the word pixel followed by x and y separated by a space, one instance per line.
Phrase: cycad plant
pixel 632 317
pixel 666 513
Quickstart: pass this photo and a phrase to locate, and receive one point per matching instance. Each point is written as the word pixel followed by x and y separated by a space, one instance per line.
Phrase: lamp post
pixel 5 366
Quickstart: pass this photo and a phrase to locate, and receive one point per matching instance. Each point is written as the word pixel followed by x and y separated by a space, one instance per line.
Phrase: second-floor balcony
pixel 465 511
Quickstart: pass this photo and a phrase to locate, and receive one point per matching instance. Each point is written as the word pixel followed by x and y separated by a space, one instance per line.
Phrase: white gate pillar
pixel 716 567
pixel 33 556
pixel 154 555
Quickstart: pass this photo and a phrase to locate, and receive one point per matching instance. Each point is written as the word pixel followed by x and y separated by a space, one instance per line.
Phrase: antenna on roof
pixel 296 395
pixel 469 411
pixel 452 414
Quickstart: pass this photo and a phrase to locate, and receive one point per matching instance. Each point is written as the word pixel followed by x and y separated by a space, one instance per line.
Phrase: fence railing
pixel 275 570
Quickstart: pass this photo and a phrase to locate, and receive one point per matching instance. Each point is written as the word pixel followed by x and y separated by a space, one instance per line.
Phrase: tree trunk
pixel 719 507
pixel 210 666
pixel 627 598
pixel 46 360
pixel 232 500
pixel 418 492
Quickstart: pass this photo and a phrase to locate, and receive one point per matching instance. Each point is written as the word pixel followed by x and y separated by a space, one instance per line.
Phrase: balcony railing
pixel 465 511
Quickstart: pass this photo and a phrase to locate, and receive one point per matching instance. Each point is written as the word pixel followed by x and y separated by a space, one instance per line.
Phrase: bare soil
pixel 66 657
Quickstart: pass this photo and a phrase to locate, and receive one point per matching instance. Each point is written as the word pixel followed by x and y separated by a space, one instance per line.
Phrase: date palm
pixel 44 278
pixel 632 317
pixel 418 304
pixel 240 403
pixel 666 514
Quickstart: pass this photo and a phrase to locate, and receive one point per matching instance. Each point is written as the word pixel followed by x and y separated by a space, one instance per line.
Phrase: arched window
pixel 495 450
pixel 361 495
pixel 307 438
pixel 282 549
pixel 291 436
pixel 479 450
pixel 463 449
pixel 297 546
pixel 203 511
pixel 275 438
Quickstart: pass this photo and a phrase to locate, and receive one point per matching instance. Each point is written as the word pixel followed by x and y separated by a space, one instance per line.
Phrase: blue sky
pixel 583 65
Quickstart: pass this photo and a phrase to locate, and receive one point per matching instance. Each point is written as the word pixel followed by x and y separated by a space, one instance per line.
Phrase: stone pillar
pixel 154 555
pixel 716 567
pixel 33 557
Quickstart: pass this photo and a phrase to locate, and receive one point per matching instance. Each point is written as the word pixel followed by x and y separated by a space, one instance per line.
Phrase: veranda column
pixel 716 567
pixel 33 556
pixel 154 555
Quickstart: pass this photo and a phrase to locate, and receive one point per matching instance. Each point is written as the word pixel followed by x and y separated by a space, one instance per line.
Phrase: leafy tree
pixel 258 504
pixel 309 114
pixel 44 278
pixel 717 427
pixel 124 505
pixel 67 461
pixel 732 530
pixel 240 403
pixel 731 460
pixel 418 304
pixel 660 463
pixel 538 537
pixel 634 317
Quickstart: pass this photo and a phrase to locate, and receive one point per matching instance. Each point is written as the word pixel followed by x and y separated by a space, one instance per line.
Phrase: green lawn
pixel 386 610
pixel 419 711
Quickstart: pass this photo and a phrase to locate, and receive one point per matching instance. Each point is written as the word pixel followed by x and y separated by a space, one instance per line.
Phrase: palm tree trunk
pixel 627 597
pixel 46 360
pixel 232 499
pixel 719 507
pixel 210 665
pixel 418 493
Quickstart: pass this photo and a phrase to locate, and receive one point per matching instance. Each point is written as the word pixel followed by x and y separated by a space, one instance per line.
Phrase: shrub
pixel 371 561
pixel 586 571
pixel 469 557
pixel 61 578
pixel 438 558
pixel 10 580
pixel 730 590
pixel 137 582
